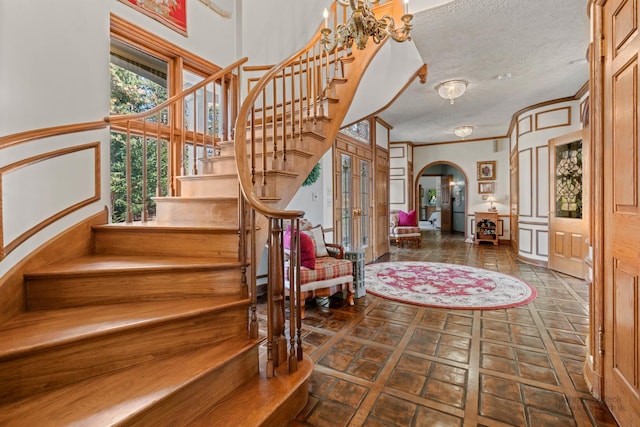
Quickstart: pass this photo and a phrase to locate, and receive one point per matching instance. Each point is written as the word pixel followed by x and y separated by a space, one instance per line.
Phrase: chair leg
pixel 350 297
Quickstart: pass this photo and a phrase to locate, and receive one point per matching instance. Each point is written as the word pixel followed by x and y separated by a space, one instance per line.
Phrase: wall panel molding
pixel 556 117
pixel 542 171
pixel 525 182
pixel 24 183
pixel 525 125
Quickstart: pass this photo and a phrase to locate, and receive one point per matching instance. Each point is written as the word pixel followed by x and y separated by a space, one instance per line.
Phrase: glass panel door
pixel 347 203
pixel 364 203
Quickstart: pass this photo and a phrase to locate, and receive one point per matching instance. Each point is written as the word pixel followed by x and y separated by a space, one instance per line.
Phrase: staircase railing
pixel 296 97
pixel 174 136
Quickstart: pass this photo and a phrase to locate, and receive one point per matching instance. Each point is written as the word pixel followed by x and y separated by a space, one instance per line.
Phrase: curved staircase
pixel 154 322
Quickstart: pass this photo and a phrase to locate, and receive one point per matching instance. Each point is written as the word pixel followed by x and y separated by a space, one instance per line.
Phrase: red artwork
pixel 172 13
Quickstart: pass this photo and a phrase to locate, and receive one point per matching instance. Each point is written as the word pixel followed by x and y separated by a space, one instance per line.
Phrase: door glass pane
pixel 568 177
pixel 364 203
pixel 347 205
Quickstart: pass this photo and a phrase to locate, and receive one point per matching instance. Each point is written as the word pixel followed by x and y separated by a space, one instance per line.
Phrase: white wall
pixel 54 70
pixel 274 30
pixel 400 183
pixel 464 156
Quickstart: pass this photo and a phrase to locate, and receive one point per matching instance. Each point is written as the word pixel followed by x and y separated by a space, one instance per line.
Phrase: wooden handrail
pixel 293 98
pixel 31 135
pixel 178 97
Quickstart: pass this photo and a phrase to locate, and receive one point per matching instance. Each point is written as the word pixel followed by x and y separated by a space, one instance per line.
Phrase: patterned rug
pixel 446 285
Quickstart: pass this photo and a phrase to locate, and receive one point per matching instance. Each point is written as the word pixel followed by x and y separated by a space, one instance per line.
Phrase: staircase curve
pixel 154 321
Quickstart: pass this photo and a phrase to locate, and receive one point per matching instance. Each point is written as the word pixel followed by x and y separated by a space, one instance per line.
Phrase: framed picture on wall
pixel 487 170
pixel 172 13
pixel 486 187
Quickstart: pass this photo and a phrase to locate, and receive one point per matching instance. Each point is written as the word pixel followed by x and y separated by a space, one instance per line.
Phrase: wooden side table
pixel 486 227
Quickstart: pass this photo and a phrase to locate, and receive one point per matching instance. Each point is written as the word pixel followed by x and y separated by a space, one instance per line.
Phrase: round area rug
pixel 446 285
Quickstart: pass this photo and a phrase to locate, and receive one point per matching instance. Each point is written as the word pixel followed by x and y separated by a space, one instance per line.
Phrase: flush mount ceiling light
pixel 452 89
pixel 463 131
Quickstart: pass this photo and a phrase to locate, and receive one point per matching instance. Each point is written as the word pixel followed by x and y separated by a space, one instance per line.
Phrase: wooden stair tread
pixel 264 397
pixel 167 227
pixel 116 397
pixel 42 329
pixel 101 264
pixel 199 198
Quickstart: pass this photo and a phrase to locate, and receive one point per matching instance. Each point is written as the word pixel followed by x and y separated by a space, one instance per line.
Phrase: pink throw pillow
pixel 307 249
pixel 407 219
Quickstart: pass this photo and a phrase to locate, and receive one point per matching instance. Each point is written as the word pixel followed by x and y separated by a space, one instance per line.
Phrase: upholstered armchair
pixel 403 227
pixel 324 271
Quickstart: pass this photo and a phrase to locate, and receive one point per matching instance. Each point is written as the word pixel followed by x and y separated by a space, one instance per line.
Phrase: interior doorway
pixel 441 194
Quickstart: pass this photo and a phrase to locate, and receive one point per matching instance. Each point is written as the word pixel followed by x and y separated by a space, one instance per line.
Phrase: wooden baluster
pixel 194 133
pixel 270 298
pixel 284 117
pixel 224 107
pixel 301 95
pixel 144 214
pixel 309 80
pixel 252 146
pixel 158 155
pixel 274 122
pixel 264 141
pixel 294 294
pixel 214 121
pixel 253 327
pixel 129 214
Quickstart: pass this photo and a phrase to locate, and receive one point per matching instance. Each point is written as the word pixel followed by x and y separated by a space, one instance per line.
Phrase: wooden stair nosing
pixel 92 265
pixel 38 330
pixel 166 227
pixel 117 397
pixel 274 401
pixel 215 199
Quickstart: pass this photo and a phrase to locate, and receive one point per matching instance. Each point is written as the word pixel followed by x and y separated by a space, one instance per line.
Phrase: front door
pixel 446 210
pixel 568 191
pixel 621 92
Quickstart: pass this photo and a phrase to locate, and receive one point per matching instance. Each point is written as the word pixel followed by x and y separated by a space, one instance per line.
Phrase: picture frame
pixel 486 187
pixel 172 13
pixel 487 170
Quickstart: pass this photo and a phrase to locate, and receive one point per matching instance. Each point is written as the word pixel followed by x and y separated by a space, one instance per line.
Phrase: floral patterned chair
pixel 324 271
pixel 403 227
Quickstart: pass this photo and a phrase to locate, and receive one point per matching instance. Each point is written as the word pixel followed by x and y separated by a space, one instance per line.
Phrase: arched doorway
pixel 446 212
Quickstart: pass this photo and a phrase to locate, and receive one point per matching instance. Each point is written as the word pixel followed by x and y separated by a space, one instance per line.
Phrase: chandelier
pixel 363 24
pixel 452 89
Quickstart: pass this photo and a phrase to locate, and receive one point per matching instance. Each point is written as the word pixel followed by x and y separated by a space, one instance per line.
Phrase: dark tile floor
pixel 383 363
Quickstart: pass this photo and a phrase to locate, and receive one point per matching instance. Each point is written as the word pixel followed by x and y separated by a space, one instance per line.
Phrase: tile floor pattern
pixel 383 363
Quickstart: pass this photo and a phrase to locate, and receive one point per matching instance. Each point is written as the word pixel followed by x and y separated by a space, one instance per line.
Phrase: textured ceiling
pixel 541 43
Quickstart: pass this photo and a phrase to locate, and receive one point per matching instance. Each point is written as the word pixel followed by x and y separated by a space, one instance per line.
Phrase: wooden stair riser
pixel 226 165
pixel 269 187
pixel 220 185
pixel 297 143
pixel 130 287
pixel 190 383
pixel 198 211
pixel 170 242
pixel 32 372
pixel 190 402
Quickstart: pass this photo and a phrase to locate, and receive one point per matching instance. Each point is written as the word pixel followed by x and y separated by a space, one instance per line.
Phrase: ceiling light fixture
pixel 363 24
pixel 463 131
pixel 452 89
